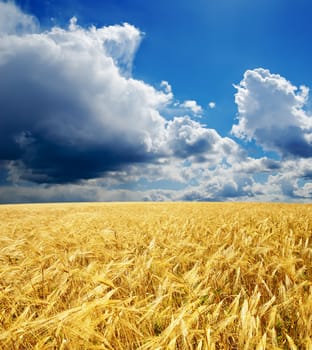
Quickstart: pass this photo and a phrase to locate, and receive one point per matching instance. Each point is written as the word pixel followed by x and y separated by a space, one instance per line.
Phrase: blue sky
pixel 136 100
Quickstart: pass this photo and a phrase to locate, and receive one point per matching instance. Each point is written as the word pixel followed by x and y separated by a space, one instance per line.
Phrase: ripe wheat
pixel 156 276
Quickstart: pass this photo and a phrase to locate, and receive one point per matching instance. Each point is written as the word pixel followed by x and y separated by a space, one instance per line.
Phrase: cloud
pixel 305 191
pixel 271 112
pixel 77 126
pixel 193 106
pixel 68 111
pixel 82 192
pixel 166 86
pixel 212 105
pixel 260 165
pixel 71 109
pixel 14 21
pixel 189 139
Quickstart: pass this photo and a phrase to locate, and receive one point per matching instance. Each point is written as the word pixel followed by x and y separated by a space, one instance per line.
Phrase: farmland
pixel 156 276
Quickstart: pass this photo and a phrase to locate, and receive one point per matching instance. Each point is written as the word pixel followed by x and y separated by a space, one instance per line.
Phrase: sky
pixel 131 100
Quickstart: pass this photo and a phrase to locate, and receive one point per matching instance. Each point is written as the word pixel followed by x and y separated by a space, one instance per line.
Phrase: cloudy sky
pixel 121 100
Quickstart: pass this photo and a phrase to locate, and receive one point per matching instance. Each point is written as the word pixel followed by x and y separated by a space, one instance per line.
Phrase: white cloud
pixel 212 105
pixel 271 111
pixel 251 165
pixel 193 106
pixel 305 191
pixel 166 86
pixel 14 21
pixel 189 139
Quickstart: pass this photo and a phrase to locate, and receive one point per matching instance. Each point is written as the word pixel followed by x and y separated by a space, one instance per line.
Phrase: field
pixel 156 276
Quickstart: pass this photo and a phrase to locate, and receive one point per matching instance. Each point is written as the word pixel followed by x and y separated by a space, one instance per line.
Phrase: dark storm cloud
pixel 46 161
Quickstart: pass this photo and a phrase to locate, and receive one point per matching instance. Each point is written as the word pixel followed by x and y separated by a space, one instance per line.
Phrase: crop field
pixel 156 276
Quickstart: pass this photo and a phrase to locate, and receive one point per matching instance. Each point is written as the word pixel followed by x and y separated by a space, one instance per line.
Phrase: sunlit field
pixel 156 276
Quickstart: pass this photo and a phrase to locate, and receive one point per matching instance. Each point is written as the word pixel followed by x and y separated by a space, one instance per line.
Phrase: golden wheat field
pixel 156 276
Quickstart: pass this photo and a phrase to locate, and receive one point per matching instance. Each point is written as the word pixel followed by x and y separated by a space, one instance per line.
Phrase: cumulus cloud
pixel 193 106
pixel 212 105
pixel 66 103
pixel 189 139
pixel 271 111
pixel 260 165
pixel 14 21
pixel 71 109
pixel 305 191
pixel 166 86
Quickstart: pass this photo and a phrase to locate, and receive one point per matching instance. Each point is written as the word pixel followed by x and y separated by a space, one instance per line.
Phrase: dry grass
pixel 156 276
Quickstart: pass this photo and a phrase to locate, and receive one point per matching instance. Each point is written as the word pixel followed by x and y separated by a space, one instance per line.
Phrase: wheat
pixel 156 276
